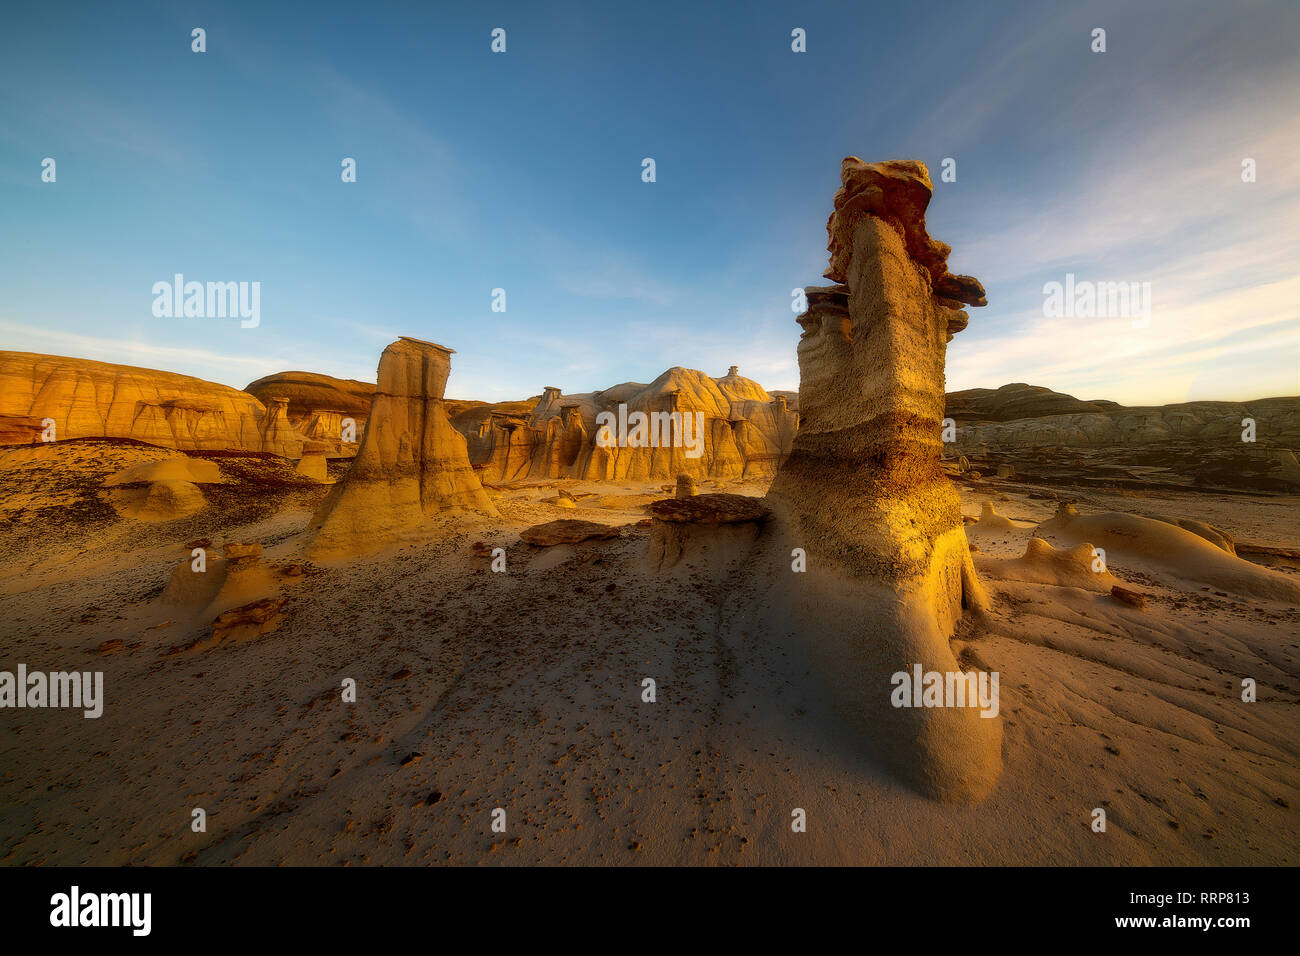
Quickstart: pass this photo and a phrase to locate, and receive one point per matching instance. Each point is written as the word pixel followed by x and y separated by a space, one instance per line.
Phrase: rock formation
pixel 312 464
pixel 1199 444
pixel 1042 564
pixel 309 393
pixel 863 492
pixel 990 520
pixel 704 532
pixel 278 435
pixel 745 433
pixel 88 399
pixel 318 406
pixel 161 490
pixel 412 463
pixel 1196 554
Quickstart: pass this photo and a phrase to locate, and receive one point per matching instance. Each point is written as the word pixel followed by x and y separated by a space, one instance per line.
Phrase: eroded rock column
pixel 863 491
pixel 411 463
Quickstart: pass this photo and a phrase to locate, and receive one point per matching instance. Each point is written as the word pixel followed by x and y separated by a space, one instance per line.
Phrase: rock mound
pixel 711 509
pixel 1161 545
pixel 1012 402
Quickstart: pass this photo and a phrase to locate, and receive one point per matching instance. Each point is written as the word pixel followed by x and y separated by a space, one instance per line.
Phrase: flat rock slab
pixel 711 509
pixel 567 531
pixel 235 550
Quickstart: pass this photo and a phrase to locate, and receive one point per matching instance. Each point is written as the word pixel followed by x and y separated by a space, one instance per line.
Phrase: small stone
pixel 1125 596
pixel 235 550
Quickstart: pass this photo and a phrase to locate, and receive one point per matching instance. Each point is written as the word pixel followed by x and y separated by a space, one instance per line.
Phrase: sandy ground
pixel 522 691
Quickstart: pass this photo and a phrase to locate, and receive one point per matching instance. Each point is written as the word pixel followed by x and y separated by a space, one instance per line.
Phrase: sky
pixel 522 171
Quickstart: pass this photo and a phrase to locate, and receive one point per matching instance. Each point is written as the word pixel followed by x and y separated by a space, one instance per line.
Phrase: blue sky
pixel 522 171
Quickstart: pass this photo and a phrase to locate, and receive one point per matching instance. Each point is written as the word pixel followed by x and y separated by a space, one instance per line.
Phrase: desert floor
pixel 521 690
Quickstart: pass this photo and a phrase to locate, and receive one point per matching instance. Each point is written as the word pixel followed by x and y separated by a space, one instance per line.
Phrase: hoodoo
pixel 411 463
pixel 889 568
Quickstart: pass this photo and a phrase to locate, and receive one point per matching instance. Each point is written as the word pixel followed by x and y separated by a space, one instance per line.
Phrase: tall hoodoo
pixel 863 491
pixel 871 378
pixel 411 462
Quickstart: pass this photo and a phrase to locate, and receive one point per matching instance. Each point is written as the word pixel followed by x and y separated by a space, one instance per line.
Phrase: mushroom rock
pixel 411 462
pixel 864 494
pixel 510 447
pixel 312 464
pixel 162 490
pixel 686 487
pixel 712 532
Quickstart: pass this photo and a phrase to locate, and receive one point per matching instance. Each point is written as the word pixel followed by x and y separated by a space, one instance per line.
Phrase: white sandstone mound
pixel 164 490
pixel 1166 547
pixel 990 520
pixel 1078 567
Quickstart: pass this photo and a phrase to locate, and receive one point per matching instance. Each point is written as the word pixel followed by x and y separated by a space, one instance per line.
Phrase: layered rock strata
pixel 87 399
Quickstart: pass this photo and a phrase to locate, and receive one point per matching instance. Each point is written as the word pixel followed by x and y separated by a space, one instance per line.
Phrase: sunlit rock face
pixel 88 399
pixel 862 492
pixel 736 430
pixel 412 463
